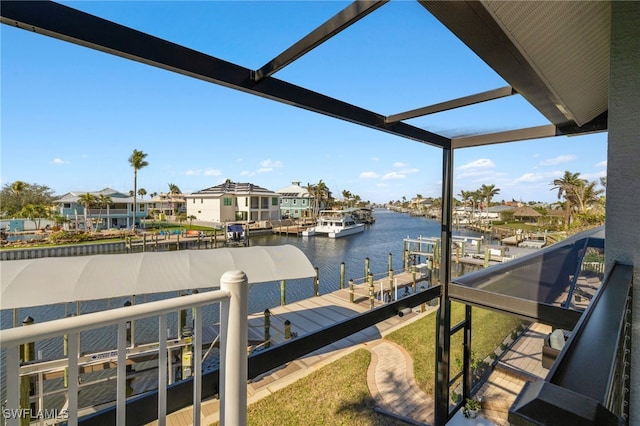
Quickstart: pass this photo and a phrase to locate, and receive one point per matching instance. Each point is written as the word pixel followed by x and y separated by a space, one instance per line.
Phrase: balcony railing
pixel 589 382
pixel 232 297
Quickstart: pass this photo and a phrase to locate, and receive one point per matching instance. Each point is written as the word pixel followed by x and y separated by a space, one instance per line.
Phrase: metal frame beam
pixel 342 20
pixel 508 136
pixel 71 25
pixel 452 104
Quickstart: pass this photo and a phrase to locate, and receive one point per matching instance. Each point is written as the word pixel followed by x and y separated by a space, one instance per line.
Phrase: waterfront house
pixel 111 210
pixel 231 201
pixel 295 201
pixel 166 205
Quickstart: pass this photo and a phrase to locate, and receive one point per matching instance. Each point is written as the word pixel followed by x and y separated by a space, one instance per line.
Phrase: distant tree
pixel 103 202
pixel 566 186
pixel 14 196
pixel 142 192
pixel 35 212
pixel 488 192
pixel 137 161
pixel 191 219
pixel 181 218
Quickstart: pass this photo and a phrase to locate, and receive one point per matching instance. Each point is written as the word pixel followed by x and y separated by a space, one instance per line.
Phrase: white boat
pixel 335 224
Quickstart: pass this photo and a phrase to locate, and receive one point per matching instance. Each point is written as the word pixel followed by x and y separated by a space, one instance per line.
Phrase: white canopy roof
pixel 36 282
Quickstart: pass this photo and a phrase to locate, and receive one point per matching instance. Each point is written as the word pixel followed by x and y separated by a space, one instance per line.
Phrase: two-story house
pixel 295 201
pixel 231 201
pixel 109 209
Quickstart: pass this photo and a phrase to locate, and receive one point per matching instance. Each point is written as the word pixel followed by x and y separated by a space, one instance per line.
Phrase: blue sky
pixel 71 116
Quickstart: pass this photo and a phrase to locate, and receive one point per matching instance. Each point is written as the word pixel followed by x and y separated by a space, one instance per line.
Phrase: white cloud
pixel 369 175
pixel 481 163
pixel 399 164
pixel 193 172
pixel 58 161
pixel 212 172
pixel 558 160
pixel 269 164
pixel 602 164
pixel 394 175
pixel 246 173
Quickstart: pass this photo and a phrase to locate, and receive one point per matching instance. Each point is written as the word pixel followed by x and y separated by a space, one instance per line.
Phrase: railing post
pixel 351 290
pixel 233 364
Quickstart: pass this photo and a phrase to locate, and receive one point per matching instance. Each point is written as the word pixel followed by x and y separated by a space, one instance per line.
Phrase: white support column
pixel 234 368
pixel 13 382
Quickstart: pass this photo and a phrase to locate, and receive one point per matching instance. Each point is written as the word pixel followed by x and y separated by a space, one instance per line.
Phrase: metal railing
pixel 232 297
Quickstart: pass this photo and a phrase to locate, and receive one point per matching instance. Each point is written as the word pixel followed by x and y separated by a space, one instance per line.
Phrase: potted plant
pixel 471 408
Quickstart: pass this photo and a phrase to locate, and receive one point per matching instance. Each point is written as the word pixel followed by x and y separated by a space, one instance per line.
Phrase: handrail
pixel 589 383
pixel 233 319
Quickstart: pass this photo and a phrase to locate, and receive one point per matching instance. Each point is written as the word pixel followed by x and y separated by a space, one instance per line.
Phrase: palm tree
pixel 137 161
pixel 311 190
pixel 465 196
pixel 103 201
pixel 566 186
pixel 321 193
pixel 173 190
pixel 191 218
pixel 34 212
pixel 142 192
pixel 586 194
pixel 87 201
pixel 487 192
pixel 347 197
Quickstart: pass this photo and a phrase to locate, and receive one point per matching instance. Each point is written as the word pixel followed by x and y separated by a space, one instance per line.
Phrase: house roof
pixel 74 196
pixel 526 211
pixel 229 187
pixel 293 190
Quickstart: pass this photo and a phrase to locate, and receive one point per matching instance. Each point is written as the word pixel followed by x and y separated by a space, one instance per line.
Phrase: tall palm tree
pixel 313 201
pixel 566 186
pixel 465 196
pixel 488 192
pixel 137 161
pixel 103 201
pixel 347 197
pixel 87 200
pixel 173 191
pixel 142 192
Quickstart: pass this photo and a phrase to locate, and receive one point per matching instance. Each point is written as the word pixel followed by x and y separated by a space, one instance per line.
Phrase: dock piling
pixel 267 328
pixel 342 271
pixel 283 292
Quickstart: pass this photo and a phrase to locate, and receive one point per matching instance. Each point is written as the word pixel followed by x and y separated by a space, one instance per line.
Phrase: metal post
pixel 467 380
pixel 283 292
pixel 351 290
pixel 144 242
pixel 342 271
pixel 234 360
pixel 441 407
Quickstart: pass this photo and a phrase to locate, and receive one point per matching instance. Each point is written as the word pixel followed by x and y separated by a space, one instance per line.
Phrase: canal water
pixel 380 239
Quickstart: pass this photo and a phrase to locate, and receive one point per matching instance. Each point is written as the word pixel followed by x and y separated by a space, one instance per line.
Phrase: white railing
pixel 233 351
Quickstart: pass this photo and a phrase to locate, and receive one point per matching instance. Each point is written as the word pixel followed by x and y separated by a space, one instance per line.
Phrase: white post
pixel 233 369
pixel 162 370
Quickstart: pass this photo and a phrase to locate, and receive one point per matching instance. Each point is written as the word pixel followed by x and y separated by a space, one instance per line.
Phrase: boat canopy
pixel 36 282
pixel 235 228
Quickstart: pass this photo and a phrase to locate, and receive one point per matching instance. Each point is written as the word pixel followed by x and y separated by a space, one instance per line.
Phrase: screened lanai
pixel 552 58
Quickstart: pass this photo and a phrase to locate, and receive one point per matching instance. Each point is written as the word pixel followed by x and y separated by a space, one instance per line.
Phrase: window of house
pixel 274 201
pixel 294 202
pixel 66 205
pixel 194 200
pixel 227 201
pixel 304 202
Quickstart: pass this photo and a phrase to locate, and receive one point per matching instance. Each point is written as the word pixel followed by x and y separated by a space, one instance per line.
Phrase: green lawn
pixel 338 394
pixel 333 395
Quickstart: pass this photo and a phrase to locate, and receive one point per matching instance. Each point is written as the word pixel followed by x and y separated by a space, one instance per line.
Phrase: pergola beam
pixel 452 104
pixel 342 20
pixel 71 25
pixel 507 136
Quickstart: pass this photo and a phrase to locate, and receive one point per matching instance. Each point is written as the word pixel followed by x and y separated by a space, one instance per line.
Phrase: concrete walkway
pixel 392 385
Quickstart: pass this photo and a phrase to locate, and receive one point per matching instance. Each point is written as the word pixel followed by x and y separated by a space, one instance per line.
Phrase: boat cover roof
pixel 235 228
pixel 50 280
